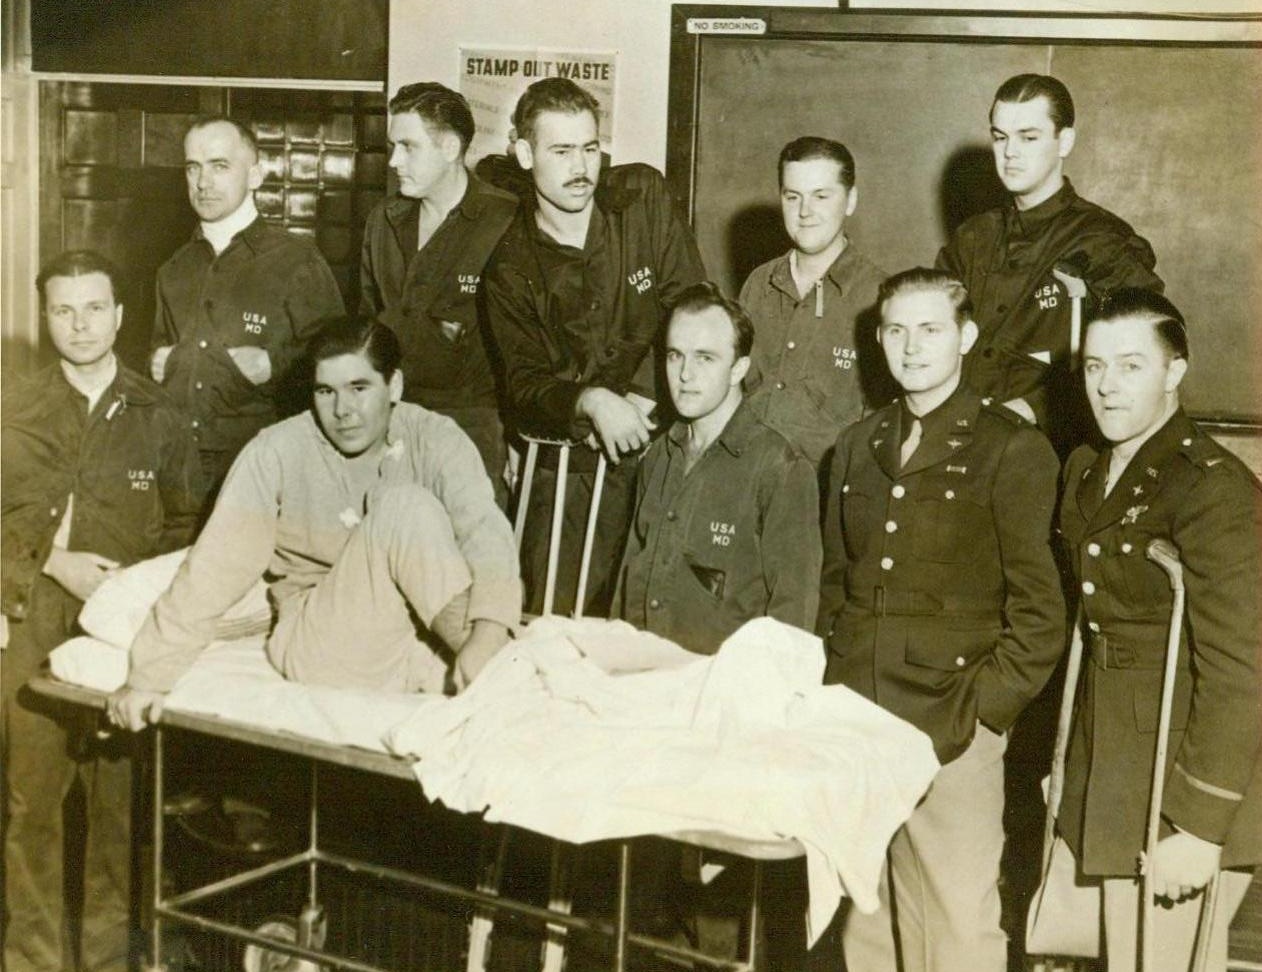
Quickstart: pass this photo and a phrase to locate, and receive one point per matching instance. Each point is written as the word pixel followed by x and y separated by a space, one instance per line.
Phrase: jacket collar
pixel 841 273
pixel 1141 480
pixel 402 211
pixel 1048 209
pixel 733 439
pixel 944 433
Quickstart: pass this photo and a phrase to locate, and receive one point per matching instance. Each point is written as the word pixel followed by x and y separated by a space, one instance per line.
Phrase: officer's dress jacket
pixel 1183 487
pixel 430 297
pixel 940 599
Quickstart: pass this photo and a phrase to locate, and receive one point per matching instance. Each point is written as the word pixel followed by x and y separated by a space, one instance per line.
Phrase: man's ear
pixel 1177 368
pixel 739 370
pixel 525 154
pixel 852 200
pixel 256 175
pixel 1065 141
pixel 118 317
pixel 450 143
pixel 968 336
pixel 396 386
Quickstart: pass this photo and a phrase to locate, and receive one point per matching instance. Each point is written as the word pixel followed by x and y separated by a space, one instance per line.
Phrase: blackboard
pixel 1169 137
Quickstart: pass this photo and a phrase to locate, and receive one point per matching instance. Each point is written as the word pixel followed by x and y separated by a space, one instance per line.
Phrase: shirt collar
pixel 91 389
pixel 734 437
pixel 960 404
pixel 220 233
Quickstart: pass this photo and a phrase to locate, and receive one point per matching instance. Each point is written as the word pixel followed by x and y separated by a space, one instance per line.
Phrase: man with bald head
pixel 237 304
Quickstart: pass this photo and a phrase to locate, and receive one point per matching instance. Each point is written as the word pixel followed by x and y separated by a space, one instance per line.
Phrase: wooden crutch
pixel 1166 556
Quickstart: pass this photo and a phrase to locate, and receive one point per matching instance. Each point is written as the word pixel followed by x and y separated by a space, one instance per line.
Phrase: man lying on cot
pixel 376 525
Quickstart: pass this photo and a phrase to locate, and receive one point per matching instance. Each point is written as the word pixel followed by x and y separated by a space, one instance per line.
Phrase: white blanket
pixel 233 680
pixel 586 730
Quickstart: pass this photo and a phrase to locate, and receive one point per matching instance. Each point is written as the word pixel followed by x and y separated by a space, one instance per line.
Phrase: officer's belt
pixel 886 601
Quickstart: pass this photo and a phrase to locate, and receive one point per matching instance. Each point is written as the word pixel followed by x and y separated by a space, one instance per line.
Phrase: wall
pixel 19 195
pixel 425 36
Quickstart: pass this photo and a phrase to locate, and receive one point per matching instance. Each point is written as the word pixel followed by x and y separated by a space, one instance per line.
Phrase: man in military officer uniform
pixel 238 303
pixel 814 307
pixel 99 471
pixel 940 600
pixel 1161 477
pixel 423 255
pixel 726 526
pixel 576 295
pixel 1006 257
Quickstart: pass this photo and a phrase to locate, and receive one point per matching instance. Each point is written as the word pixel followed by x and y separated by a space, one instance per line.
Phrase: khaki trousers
pixel 358 627
pixel 943 865
pixel 1175 928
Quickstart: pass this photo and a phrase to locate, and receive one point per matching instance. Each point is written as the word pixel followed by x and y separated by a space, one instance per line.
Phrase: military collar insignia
pixel 962 423
pixel 1152 473
pixel 1137 490
pixel 1133 514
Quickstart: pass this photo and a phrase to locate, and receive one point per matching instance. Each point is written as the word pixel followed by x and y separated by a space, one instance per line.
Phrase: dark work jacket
pixel 430 298
pixel 1005 259
pixel 269 289
pixel 940 599
pixel 1183 487
pixel 734 538
pixel 566 319
pixel 132 467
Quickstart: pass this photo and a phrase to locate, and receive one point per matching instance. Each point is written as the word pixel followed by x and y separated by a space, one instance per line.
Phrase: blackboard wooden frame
pixel 689 47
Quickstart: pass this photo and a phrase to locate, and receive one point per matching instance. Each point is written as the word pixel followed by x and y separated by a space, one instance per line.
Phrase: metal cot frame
pixel 174 908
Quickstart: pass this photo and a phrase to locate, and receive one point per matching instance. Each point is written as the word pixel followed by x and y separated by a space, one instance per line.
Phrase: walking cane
pixel 1164 554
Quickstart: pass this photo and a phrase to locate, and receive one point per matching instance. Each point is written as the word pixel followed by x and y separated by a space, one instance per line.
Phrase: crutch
pixel 492 870
pixel 1076 288
pixel 1079 940
pixel 1165 555
pixel 558 510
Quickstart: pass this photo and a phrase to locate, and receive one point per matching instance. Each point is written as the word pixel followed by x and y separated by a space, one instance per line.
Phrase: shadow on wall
pixel 755 235
pixel 969 186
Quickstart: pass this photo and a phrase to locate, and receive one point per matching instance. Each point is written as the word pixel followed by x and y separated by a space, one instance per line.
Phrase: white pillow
pixel 117 609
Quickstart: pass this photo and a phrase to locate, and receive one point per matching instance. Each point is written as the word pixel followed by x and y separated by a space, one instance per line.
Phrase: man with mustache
pixel 238 303
pixel 1006 258
pixel 577 293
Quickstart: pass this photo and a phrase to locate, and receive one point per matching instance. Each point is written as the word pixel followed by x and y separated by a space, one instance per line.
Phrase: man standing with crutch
pixel 1162 478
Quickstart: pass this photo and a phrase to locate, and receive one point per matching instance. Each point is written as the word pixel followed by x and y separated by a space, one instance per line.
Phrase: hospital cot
pixel 177 908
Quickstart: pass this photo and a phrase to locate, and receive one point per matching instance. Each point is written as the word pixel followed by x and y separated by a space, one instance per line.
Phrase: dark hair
pixel 704 295
pixel 551 94
pixel 920 279
pixel 354 335
pixel 247 135
pixel 438 106
pixel 1027 87
pixel 77 263
pixel 1171 328
pixel 814 147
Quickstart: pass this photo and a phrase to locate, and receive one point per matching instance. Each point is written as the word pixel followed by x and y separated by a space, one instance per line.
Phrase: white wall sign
pixel 493 78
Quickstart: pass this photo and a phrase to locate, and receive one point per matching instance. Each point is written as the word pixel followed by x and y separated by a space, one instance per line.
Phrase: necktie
pixel 909 445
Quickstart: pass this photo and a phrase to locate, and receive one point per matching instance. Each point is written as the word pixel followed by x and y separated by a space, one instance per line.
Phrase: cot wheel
pixel 259 959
